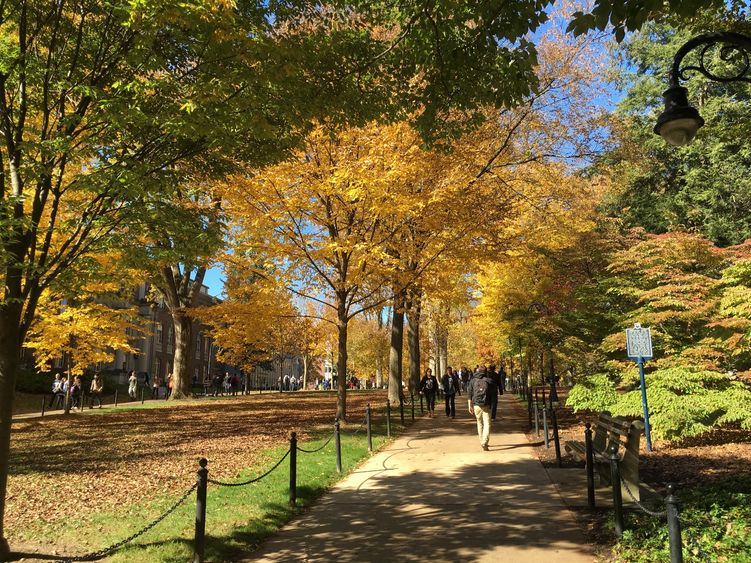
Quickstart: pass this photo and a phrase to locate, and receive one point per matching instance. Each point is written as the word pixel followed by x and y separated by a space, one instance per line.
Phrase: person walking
pixel 450 383
pixel 478 401
pixel 496 379
pixel 57 392
pixel 75 394
pixel 132 384
pixel 96 389
pixel 155 387
pixel 429 388
pixel 168 391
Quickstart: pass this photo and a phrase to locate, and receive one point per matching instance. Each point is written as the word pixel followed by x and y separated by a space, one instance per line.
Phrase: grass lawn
pixel 82 482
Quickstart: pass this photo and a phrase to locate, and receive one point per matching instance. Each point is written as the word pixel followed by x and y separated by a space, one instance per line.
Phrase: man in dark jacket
pixel 481 389
pixel 429 389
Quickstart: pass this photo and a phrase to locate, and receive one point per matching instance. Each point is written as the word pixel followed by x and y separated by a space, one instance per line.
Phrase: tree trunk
pixel 529 368
pixel 341 362
pixel 413 345
pixel 542 366
pixel 443 353
pixel 304 372
pixel 10 352
pixel 396 351
pixel 180 294
pixel 183 362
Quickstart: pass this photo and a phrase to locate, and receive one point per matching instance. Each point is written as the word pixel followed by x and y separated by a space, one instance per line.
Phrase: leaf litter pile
pixel 61 467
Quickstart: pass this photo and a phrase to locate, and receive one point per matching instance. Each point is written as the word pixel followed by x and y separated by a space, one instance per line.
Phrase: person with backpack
pixel 479 392
pixel 429 388
pixel 450 383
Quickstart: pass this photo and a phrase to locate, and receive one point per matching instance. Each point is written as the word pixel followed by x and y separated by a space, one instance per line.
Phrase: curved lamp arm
pixel 731 44
pixel 680 121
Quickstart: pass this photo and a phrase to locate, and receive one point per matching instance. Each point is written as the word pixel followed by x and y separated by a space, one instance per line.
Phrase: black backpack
pixel 481 389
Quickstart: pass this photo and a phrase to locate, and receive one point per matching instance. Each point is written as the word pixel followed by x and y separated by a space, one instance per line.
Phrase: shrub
pixel 683 401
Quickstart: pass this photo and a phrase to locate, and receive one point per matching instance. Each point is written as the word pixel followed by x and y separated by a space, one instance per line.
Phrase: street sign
pixel 639 348
pixel 639 342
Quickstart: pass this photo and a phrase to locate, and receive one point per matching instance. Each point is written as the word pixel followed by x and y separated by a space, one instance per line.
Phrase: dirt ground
pixel 59 463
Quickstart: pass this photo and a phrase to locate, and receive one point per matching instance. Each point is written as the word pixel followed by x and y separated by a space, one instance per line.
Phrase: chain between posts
pixel 94 555
pixel 360 427
pixel 659 514
pixel 249 481
pixel 326 443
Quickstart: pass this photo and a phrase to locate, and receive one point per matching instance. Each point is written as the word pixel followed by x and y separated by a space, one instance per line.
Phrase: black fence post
pixel 412 399
pixel 388 418
pixel 115 397
pixel 401 408
pixel 44 403
pixel 338 444
pixel 545 424
pixel 556 439
pixel 293 469
pixel 422 408
pixel 141 395
pixel 674 525
pixel 369 428
pixel 537 418
pixel 199 542
pixel 590 465
pixel 615 476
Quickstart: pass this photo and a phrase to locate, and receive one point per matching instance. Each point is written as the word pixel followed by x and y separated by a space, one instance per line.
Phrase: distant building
pixel 156 349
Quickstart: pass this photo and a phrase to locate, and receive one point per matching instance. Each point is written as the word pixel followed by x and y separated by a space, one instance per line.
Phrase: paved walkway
pixel 434 495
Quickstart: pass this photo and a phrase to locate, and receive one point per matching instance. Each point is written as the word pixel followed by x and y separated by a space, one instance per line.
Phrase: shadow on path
pixel 434 494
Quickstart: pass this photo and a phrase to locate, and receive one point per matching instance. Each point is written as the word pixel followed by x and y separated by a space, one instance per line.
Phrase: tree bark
pixel 413 344
pixel 10 352
pixel 180 295
pixel 183 360
pixel 341 362
pixel 396 351
pixel 304 372
pixel 443 353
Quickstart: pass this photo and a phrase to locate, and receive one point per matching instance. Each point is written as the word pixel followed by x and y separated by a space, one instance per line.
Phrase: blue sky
pixel 214 281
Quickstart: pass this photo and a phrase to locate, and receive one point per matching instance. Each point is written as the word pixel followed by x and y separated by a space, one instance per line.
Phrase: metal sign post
pixel 639 349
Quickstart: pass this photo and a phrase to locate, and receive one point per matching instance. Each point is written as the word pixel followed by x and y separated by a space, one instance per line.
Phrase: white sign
pixel 639 342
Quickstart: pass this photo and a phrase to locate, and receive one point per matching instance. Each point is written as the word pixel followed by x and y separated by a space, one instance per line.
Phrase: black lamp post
pixel 680 121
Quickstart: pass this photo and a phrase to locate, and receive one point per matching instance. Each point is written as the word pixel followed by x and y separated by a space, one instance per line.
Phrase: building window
pixel 170 339
pixel 198 346
pixel 159 336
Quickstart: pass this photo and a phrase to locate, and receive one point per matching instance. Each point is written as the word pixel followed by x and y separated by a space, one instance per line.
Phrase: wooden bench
pixel 609 430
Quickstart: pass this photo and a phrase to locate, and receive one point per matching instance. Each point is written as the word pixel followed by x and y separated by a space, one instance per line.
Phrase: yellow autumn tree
pixel 86 315
pixel 324 219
